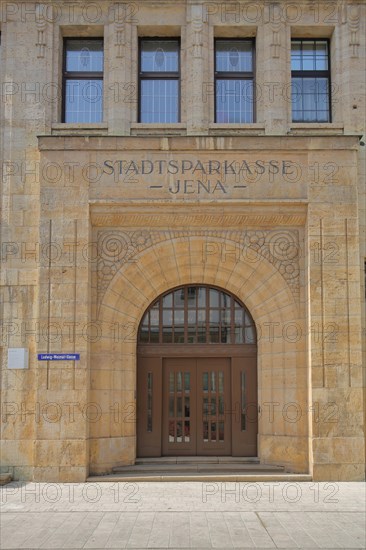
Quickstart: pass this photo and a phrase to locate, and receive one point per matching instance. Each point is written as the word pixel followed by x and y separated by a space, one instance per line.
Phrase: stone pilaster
pixel 197 77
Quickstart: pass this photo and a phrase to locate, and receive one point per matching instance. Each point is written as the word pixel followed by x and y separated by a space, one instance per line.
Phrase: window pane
pixel 168 301
pixel 154 335
pixel 201 297
pixel 179 317
pixel 234 56
pixel 321 56
pixel 84 101
pixel 154 317
pixel 179 298
pixel 309 55
pixel 234 101
pixel 310 99
pixel 296 55
pixel 179 335
pixel 223 320
pixel 167 317
pixel 159 56
pixel 84 55
pixel 159 101
pixel 249 335
pixel 214 298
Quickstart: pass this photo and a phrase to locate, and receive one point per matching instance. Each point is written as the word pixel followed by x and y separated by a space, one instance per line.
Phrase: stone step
pixel 199 477
pixel 200 468
pixel 199 460
pixel 5 478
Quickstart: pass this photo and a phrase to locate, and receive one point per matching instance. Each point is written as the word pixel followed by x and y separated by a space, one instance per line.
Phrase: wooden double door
pixel 196 406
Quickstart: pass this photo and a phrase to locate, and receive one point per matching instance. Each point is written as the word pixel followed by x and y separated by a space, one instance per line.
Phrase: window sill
pixel 157 129
pixel 79 129
pixel 251 129
pixel 316 128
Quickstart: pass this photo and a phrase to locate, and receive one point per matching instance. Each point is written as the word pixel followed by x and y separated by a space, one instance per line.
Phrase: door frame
pixel 147 445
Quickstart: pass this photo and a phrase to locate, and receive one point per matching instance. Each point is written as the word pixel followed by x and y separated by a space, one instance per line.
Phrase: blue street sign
pixel 59 357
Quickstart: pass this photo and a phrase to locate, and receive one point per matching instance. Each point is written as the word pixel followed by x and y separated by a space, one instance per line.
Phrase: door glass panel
pixel 187 437
pixel 221 381
pixel 186 407
pixel 171 405
pixel 213 431
pixel 221 431
pixel 205 381
pixel 171 382
pixel 243 402
pixel 213 381
pixel 187 381
pixel 213 406
pixel 205 431
pixel 179 406
pixel 149 401
pixel 171 431
pixel 205 406
pixel 221 404
pixel 179 381
pixel 179 431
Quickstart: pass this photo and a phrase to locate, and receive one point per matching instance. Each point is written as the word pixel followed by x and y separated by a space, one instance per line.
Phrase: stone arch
pixel 257 283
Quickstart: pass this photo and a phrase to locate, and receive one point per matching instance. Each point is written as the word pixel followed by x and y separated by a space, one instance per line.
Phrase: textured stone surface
pixel 85 250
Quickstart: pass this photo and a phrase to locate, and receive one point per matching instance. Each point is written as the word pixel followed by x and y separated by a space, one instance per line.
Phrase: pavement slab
pixel 183 515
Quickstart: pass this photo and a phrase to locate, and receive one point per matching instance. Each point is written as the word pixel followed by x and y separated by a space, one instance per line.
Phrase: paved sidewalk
pixel 183 515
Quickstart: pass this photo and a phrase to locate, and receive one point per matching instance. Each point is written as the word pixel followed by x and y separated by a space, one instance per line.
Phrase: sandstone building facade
pixel 183 234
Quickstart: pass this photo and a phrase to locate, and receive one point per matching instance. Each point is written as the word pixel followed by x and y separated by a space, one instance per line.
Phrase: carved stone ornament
pixel 41 25
pixel 280 248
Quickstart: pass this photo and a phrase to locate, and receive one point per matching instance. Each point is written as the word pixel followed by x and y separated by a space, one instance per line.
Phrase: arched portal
pixel 197 375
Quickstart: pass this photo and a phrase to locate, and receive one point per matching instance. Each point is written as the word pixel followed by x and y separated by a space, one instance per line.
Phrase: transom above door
pixel 197 315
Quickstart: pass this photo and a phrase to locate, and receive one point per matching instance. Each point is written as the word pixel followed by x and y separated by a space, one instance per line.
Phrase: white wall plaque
pixel 18 358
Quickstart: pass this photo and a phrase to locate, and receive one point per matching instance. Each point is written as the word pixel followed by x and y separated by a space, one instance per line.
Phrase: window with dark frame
pixel 159 80
pixel 83 80
pixel 310 79
pixel 234 81
pixel 197 315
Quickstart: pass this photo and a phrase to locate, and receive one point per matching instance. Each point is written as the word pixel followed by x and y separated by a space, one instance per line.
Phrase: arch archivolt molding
pixel 264 252
pixel 154 262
